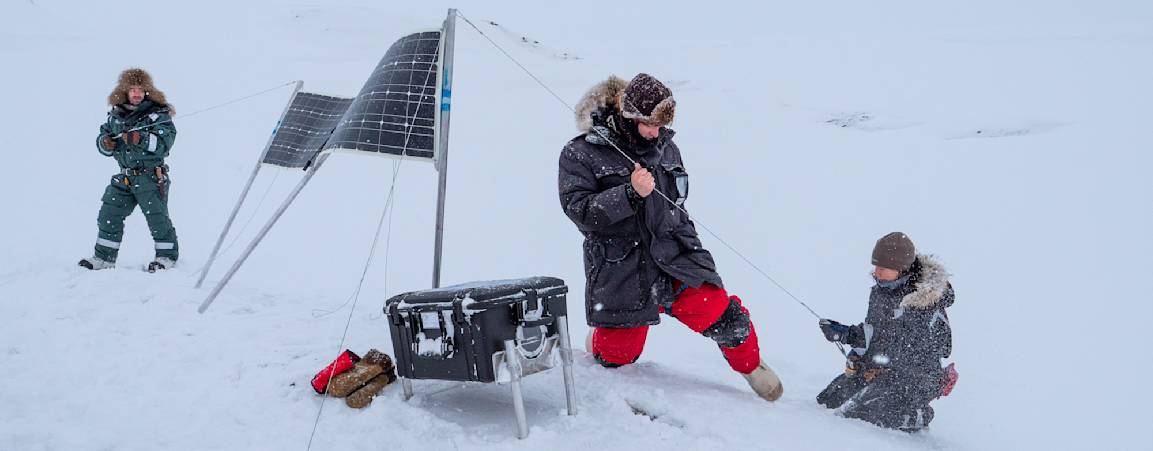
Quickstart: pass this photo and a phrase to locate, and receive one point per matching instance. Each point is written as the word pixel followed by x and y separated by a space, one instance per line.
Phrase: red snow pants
pixel 697 308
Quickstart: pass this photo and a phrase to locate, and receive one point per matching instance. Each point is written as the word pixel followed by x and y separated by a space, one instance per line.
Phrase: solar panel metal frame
pixel 427 148
pixel 305 127
pixel 438 100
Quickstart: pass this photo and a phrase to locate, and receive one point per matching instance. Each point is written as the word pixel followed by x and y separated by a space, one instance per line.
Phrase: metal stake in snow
pixel 631 160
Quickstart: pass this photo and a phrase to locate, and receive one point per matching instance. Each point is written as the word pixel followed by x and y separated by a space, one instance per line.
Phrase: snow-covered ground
pixel 1009 138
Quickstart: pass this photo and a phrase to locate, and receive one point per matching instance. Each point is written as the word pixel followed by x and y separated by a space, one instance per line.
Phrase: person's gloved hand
pixel 131 137
pixel 108 143
pixel 833 330
pixel 642 181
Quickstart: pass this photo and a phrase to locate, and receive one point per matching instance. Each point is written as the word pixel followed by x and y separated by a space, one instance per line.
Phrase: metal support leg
pixel 406 384
pixel 514 370
pixel 264 231
pixel 566 364
pixel 244 192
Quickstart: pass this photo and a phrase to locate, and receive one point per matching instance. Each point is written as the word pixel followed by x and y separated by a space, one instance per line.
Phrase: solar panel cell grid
pixel 394 114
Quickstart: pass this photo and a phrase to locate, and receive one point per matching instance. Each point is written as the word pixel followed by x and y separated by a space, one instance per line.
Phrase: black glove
pixel 833 330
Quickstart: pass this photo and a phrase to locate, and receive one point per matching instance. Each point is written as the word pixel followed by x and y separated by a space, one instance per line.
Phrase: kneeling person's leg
pixel 840 390
pixel 887 403
pixel 613 347
pixel 710 311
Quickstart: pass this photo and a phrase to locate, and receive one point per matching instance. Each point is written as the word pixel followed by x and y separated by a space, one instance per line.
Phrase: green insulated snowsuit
pixel 139 181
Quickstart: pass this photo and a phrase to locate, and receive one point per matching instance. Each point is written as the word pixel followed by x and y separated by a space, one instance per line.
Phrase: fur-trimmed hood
pixel 932 284
pixel 138 77
pixel 611 94
pixel 601 96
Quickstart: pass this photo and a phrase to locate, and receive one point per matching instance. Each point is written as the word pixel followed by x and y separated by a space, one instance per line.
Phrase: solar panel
pixel 307 124
pixel 395 112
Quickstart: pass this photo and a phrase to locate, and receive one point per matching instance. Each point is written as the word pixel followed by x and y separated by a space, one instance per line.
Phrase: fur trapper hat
pixel 645 99
pixel 136 77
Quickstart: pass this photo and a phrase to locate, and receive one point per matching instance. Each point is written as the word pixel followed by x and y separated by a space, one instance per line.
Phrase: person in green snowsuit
pixel 138 134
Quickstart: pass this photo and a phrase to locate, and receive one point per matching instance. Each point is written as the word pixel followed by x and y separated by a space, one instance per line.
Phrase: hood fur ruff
pixel 600 96
pixel 139 77
pixel 931 287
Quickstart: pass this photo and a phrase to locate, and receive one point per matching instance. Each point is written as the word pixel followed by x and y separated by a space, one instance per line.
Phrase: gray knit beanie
pixel 894 251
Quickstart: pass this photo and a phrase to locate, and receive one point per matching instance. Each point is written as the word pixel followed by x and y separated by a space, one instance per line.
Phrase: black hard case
pixel 469 323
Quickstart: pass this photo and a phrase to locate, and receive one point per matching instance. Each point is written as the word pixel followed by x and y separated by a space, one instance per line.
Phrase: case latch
pixel 433 333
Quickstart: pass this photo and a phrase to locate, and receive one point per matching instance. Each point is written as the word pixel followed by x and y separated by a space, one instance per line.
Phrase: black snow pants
pixel 888 401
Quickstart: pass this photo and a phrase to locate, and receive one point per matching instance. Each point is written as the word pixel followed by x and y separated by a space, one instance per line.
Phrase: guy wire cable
pixel 631 160
pixel 230 102
pixel 372 251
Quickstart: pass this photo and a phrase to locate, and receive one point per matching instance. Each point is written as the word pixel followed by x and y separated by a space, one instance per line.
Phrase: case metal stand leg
pixel 406 384
pixel 566 364
pixel 514 368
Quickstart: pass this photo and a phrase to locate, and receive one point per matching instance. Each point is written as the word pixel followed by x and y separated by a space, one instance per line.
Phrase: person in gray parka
pixel 895 366
pixel 642 254
pixel 138 134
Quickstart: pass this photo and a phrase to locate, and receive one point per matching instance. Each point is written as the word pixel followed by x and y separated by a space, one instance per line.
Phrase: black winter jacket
pixel 906 330
pixel 634 248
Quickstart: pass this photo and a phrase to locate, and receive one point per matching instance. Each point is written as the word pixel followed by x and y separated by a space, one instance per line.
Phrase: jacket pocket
pixel 679 186
pixel 610 176
pixel 614 276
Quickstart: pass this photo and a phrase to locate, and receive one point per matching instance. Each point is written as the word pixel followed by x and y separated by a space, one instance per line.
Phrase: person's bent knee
pixel 607 364
pixel 732 328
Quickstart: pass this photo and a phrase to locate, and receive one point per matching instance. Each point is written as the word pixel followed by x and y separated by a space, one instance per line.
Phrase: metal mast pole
pixel 448 36
pixel 442 151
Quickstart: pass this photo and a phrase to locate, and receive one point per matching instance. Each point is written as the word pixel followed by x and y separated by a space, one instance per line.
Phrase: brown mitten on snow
pixel 373 364
pixel 379 358
pixel 363 397
pixel 347 382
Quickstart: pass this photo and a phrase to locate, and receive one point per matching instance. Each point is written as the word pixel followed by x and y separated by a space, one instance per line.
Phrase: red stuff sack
pixel 342 363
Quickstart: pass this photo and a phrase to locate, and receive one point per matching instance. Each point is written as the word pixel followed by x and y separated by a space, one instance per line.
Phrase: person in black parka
pixel 894 368
pixel 642 254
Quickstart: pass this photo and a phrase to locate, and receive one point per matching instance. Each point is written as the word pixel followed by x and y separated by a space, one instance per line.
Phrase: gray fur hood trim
pixel 931 286
pixel 600 96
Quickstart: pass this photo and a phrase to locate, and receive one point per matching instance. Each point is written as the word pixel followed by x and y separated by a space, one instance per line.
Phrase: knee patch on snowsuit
pixel 732 328
pixel 608 364
pixel 618 347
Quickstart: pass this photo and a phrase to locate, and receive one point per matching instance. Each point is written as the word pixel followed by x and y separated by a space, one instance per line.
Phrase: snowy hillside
pixel 1011 139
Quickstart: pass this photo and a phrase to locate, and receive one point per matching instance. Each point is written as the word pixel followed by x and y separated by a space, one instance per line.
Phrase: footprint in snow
pixel 868 122
pixel 1027 129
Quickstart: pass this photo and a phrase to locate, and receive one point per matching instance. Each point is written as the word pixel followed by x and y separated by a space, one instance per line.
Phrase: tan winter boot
pixel 96 263
pixel 373 364
pixel 589 341
pixel 363 397
pixel 765 382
